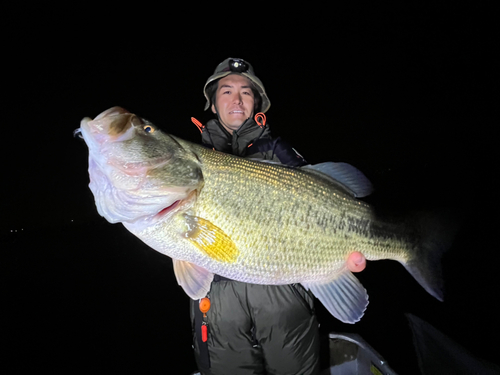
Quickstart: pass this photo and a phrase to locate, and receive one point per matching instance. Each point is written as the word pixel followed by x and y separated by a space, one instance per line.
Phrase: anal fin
pixel 345 298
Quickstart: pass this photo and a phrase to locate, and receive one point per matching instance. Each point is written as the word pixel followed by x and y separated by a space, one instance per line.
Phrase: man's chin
pixel 236 119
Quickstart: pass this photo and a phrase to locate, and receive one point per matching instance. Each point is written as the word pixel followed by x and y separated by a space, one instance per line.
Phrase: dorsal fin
pixel 349 177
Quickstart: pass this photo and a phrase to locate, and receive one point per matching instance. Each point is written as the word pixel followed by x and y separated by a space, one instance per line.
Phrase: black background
pixel 403 93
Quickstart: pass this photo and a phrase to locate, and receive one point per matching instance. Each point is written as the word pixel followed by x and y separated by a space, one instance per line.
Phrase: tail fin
pixel 436 232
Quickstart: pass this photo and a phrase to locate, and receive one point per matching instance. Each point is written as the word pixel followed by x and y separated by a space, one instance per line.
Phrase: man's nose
pixel 237 98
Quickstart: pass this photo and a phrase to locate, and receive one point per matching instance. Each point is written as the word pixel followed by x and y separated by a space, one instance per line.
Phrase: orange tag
pixel 204 335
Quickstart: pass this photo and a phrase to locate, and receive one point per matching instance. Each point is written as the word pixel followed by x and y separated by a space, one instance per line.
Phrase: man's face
pixel 234 100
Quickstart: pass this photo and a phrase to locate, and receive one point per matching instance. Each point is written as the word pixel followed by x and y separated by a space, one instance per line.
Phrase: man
pixel 249 328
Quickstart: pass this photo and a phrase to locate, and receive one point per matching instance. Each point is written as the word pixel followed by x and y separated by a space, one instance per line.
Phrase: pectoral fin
pixel 210 239
pixel 193 279
pixel 345 298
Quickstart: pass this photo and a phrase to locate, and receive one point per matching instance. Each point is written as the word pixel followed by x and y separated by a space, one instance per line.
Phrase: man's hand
pixel 356 262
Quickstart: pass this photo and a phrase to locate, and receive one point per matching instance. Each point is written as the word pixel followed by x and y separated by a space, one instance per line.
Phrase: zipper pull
pixel 260 119
pixel 204 307
pixel 198 124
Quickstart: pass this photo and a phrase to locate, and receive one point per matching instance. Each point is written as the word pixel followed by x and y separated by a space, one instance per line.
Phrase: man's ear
pixel 213 108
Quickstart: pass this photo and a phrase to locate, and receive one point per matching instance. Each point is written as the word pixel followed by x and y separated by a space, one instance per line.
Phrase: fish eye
pixel 149 129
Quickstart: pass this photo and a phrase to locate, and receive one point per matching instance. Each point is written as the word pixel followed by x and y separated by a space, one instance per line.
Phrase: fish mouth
pixel 114 124
pixel 168 209
pixel 106 131
pixel 77 133
pixel 178 205
pixel 113 111
pixel 161 215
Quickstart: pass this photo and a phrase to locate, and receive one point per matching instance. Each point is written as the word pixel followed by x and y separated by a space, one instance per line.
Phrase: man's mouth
pixel 237 112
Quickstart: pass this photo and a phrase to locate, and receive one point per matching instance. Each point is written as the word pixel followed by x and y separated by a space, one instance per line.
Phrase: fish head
pixel 138 174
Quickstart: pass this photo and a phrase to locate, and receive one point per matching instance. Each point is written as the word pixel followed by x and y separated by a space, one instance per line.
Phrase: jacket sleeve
pixel 276 150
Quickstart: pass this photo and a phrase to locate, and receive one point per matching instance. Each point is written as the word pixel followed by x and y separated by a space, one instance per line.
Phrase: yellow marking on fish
pixel 211 239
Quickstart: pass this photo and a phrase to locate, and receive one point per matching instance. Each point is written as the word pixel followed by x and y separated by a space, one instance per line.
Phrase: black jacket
pixel 255 328
pixel 251 140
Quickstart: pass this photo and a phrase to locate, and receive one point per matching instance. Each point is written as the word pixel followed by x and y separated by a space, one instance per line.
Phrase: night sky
pixel 405 95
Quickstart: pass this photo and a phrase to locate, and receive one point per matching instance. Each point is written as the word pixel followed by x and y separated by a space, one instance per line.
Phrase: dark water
pixel 92 298
pixel 406 99
pixel 86 296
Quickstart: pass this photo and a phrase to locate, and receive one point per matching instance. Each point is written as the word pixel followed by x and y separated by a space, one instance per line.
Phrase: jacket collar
pixel 216 136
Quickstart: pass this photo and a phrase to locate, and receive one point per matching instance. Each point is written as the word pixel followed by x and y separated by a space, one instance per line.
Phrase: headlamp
pixel 238 65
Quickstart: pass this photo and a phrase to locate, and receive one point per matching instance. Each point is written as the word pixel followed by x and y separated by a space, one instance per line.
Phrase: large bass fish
pixel 255 222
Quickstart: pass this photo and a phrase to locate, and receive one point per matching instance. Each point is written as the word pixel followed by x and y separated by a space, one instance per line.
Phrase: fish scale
pixel 247 220
pixel 308 233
